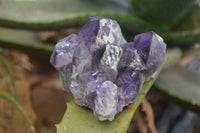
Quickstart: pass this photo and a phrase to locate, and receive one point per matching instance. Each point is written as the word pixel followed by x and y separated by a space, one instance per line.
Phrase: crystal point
pixel 63 52
pixel 99 32
pixel 109 61
pixel 152 49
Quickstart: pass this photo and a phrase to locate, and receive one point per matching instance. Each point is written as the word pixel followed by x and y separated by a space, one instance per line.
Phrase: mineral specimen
pixel 150 48
pixel 102 70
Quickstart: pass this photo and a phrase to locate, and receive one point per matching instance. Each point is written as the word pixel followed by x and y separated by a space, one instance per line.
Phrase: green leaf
pixel 81 120
pixel 173 55
pixel 25 41
pixel 54 15
pixel 191 22
pixel 181 83
pixel 16 104
pixel 163 13
pixel 12 79
pixel 187 38
pixel 186 33
pixel 51 10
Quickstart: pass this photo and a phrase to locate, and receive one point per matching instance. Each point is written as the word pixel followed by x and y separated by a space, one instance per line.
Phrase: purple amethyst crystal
pixel 130 58
pixel 64 50
pixel 109 61
pixel 102 70
pixel 152 50
pixel 99 32
pixel 106 101
pixel 129 83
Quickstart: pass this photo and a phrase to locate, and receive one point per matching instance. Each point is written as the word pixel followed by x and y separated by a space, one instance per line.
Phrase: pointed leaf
pixel 188 32
pixel 78 119
pixel 182 83
pixel 51 14
pixel 25 41
pixel 187 38
pixel 51 10
pixel 163 13
pixel 191 22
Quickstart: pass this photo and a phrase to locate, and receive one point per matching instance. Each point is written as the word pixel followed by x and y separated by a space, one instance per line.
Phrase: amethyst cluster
pixel 102 70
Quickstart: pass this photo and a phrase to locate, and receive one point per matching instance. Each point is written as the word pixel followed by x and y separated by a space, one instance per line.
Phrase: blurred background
pixel 31 98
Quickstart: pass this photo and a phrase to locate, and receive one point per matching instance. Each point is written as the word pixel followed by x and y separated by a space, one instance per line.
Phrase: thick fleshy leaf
pixel 187 32
pixel 54 15
pixel 192 21
pixel 51 14
pixel 51 10
pixel 183 39
pixel 79 119
pixel 174 53
pixel 163 13
pixel 25 41
pixel 182 82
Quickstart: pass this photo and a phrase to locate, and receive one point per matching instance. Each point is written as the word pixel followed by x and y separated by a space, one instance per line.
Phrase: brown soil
pixel 40 95
pixel 11 121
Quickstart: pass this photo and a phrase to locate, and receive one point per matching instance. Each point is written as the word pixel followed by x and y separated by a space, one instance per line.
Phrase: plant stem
pixel 16 104
pixel 5 64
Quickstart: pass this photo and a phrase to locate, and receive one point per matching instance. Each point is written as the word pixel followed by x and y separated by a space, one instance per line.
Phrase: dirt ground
pixel 39 92
pixel 11 121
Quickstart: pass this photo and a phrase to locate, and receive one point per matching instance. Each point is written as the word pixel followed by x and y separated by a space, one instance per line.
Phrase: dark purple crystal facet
pixel 102 70
pixel 130 58
pixel 99 32
pixel 152 49
pixel 130 82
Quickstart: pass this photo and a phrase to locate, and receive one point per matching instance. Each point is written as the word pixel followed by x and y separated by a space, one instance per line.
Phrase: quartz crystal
pixel 151 48
pixel 102 70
